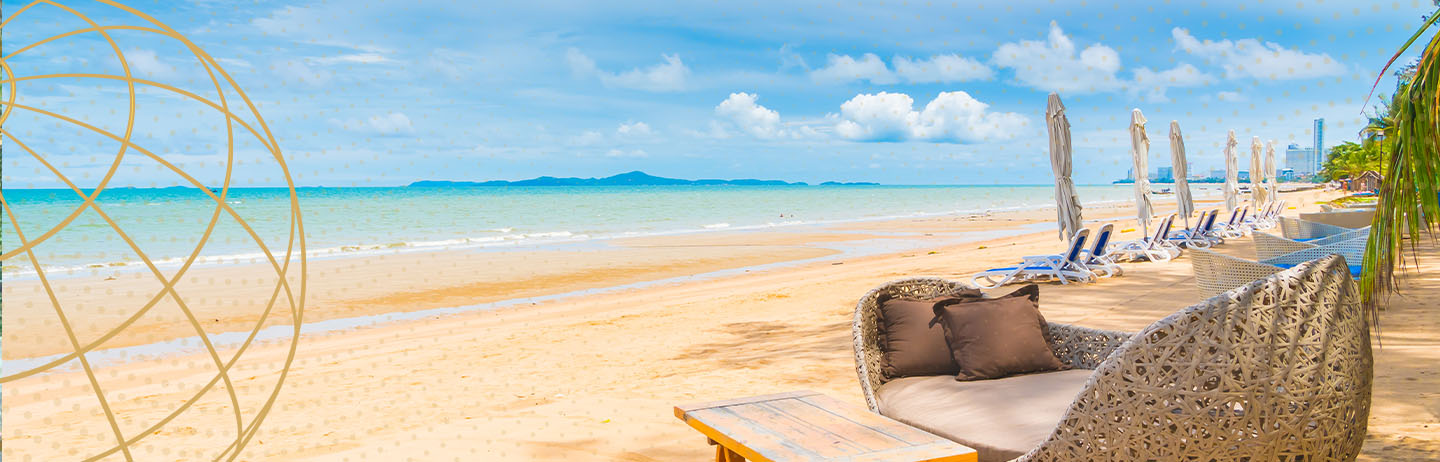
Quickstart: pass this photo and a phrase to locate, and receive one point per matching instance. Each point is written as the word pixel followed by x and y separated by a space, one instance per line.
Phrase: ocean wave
pixel 498 236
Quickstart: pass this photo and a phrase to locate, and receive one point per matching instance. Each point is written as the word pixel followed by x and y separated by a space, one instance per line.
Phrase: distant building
pixel 1217 173
pixel 1130 174
pixel 1243 176
pixel 1164 174
pixel 1287 174
pixel 1318 163
pixel 1301 161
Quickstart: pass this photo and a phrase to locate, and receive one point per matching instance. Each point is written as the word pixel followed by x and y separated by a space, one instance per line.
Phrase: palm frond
pixel 1410 195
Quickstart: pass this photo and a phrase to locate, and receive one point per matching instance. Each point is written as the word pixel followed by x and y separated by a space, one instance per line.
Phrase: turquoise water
pixel 167 224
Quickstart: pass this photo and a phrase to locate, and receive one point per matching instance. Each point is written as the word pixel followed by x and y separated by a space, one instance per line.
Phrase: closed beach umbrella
pixel 1140 150
pixel 1177 162
pixel 1270 177
pixel 1232 173
pixel 1257 175
pixel 1067 203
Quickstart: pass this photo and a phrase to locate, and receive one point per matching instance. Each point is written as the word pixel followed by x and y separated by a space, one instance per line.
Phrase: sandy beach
pixel 591 376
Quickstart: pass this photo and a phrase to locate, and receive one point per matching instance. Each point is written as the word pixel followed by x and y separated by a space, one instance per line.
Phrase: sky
pixel 383 93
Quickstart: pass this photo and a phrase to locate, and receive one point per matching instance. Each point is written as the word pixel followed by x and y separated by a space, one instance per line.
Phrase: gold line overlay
pixel 293 297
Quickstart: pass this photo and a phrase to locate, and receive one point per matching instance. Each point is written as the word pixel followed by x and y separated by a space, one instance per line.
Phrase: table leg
pixel 724 454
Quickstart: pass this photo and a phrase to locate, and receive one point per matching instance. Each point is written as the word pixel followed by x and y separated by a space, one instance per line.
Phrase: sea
pixel 168 225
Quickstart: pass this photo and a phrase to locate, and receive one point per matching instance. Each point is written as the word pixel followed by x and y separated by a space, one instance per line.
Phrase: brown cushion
pixel 911 337
pixel 1001 419
pixel 996 337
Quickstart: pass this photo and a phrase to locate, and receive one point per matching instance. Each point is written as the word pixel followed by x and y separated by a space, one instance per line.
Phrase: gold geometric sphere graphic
pixel 94 97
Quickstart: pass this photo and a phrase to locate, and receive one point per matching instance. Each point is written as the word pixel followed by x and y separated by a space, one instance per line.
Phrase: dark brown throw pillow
pixel 911 337
pixel 994 337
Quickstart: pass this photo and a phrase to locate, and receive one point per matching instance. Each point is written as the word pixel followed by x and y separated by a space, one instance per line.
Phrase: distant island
pixel 635 178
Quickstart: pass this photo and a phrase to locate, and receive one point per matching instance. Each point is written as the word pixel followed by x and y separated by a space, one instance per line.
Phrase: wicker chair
pixel 1295 228
pixel 1271 246
pixel 1279 369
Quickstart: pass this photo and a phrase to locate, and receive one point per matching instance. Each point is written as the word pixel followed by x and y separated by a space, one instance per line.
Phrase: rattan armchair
pixel 1277 369
pixel 1078 347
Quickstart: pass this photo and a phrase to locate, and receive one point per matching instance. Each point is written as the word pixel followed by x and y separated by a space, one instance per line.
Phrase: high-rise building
pixel 1301 161
pixel 1165 174
pixel 1319 147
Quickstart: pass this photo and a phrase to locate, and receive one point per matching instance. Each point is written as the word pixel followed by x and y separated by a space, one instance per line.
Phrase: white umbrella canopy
pixel 1270 194
pixel 1067 202
pixel 1181 171
pixel 1140 150
pixel 1232 173
pixel 1257 175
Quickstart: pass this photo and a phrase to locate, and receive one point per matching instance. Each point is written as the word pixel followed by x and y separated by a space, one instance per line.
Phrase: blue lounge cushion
pixel 1013 268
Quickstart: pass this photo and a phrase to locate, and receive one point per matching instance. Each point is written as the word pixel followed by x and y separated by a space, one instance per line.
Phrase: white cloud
pixel 146 62
pixel 950 117
pixel 580 65
pixel 587 138
pixel 318 25
pixel 869 67
pixel 621 153
pixel 1153 83
pixel 353 58
pixel 1229 96
pixel 234 62
pixel 1052 65
pixel 385 124
pixel 741 110
pixel 941 68
pixel 1251 58
pixel 636 130
pixel 843 68
pixel 789 58
pixel 296 69
pixel 394 122
pixel 670 75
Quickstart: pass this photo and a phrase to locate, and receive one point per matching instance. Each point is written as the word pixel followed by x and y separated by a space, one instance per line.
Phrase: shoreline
pixel 729 251
pixel 535 240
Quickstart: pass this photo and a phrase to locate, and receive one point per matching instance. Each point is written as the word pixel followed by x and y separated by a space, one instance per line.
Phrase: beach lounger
pixel 1231 228
pixel 1260 219
pixel 1153 248
pixel 1268 218
pixel 1270 246
pixel 1302 230
pixel 1097 257
pixel 1199 236
pixel 1065 267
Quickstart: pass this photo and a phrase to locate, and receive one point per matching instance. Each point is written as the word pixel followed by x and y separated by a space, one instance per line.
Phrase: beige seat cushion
pixel 1001 419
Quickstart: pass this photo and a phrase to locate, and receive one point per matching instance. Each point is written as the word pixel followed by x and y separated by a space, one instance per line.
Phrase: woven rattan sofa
pixel 1295 228
pixel 1270 246
pixel 1279 369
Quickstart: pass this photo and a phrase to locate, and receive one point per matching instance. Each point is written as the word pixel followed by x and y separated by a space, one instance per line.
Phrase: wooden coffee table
pixel 809 426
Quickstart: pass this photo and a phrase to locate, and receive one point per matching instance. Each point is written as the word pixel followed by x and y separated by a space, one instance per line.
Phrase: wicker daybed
pixel 1279 369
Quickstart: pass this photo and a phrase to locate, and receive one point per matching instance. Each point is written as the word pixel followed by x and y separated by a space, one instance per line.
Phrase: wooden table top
pixel 809 426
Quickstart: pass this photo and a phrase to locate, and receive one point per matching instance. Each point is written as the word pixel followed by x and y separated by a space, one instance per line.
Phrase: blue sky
pixel 900 92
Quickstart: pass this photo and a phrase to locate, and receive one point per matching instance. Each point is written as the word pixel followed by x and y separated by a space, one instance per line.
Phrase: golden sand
pixel 594 377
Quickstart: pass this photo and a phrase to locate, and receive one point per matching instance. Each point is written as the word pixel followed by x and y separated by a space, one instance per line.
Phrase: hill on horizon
pixel 633 178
